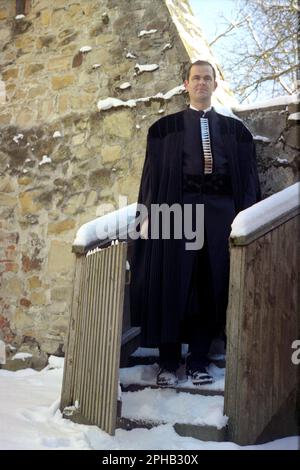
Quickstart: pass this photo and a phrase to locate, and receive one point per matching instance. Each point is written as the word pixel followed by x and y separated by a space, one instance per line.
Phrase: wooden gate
pixel 263 320
pixel 90 382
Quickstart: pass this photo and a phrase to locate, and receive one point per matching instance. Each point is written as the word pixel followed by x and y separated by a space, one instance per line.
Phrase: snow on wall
pixel 266 211
pixel 278 101
pixel 106 226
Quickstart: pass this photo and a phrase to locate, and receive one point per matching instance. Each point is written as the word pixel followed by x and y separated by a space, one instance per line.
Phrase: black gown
pixel 161 270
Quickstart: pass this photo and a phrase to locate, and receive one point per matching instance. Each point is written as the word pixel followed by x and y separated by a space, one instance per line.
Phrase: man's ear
pixel 216 84
pixel 186 83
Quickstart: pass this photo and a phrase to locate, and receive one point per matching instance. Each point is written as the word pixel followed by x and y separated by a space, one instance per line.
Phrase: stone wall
pixel 62 160
pixel 276 132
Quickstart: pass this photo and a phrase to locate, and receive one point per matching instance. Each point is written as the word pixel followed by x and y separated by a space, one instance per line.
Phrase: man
pixel 195 156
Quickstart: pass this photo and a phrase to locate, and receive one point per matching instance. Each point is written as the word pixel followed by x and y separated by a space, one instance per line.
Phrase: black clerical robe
pixel 158 286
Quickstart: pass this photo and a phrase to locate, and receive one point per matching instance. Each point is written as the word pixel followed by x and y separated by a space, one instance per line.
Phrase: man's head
pixel 200 83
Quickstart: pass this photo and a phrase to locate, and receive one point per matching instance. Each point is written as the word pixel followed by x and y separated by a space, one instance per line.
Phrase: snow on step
pixel 146 375
pixel 167 406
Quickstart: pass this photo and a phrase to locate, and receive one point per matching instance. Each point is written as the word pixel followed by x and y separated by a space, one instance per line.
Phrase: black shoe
pixel 200 376
pixel 166 378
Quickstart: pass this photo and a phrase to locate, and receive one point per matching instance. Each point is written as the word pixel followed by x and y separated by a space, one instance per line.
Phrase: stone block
pixel 74 204
pixel 129 187
pixel 29 202
pixel 7 200
pixel 61 294
pixel 100 178
pixel 59 63
pixel 118 124
pixel 36 91
pixel 10 74
pixel 46 17
pixel 91 198
pixel 32 69
pixel 25 118
pixel 60 82
pixel 111 153
pixel 5 119
pixel 39 361
pixel 38 298
pixel 78 139
pixel 63 102
pixel 60 227
pixel 60 258
pixel 3 14
pixel 25 43
pixel 34 282
pixel 6 185
pixel 13 285
pixel 45 41
pixel 25 302
pixel 25 180
pixel 14 365
pixel 10 267
pixel 292 137
pixel 5 35
pixel 31 264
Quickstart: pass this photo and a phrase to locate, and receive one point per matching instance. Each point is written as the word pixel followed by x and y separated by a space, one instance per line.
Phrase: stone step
pixel 200 416
pixel 203 433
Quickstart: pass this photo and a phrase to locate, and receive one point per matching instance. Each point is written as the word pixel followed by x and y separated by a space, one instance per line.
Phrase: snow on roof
pixel 278 101
pixel 265 212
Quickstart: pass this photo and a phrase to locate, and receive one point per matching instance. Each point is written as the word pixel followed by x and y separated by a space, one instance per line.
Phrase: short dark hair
pixel 199 62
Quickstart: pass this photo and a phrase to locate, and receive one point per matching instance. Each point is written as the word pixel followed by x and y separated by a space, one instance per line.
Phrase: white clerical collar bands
pixel 205 137
pixel 204 110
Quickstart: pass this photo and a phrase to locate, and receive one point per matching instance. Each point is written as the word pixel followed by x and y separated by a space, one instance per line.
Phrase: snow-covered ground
pixel 30 419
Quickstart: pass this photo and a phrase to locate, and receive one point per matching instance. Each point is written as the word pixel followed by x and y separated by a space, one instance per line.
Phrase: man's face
pixel 201 83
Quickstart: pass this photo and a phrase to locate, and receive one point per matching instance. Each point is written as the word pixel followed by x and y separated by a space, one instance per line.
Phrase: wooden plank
pixel 98 397
pixel 67 389
pixel 232 331
pixel 116 329
pixel 248 353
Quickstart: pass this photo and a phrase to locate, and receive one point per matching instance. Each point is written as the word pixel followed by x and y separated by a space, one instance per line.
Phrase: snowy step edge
pixel 134 387
pixel 198 431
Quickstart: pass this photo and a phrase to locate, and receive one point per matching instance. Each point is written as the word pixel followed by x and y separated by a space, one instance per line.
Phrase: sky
pixel 208 12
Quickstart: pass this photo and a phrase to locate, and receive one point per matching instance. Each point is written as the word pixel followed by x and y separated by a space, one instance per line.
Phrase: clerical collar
pixel 204 110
